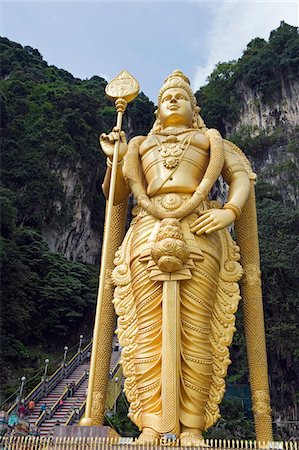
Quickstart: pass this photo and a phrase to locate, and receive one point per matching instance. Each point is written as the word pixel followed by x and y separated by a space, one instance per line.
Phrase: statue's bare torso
pixel 174 163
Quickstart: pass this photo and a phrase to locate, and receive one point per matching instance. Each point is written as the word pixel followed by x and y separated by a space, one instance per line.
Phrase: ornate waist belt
pixel 170 202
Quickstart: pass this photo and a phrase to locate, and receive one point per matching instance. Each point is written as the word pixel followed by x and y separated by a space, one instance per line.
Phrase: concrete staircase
pixel 70 411
pixel 69 404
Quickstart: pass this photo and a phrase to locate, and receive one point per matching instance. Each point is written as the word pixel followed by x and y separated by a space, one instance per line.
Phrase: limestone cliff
pixel 282 109
pixel 267 130
pixel 78 240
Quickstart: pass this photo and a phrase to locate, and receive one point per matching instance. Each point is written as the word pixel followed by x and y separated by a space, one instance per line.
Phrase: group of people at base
pixel 17 423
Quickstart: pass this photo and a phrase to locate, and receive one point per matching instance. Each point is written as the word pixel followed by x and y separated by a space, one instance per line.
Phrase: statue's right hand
pixel 107 142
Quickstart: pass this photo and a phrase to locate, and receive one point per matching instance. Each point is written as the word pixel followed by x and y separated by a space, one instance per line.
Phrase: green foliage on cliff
pixel 51 121
pixel 279 247
pixel 281 146
pixel 46 298
pixel 218 100
pixel 261 68
pixel 257 142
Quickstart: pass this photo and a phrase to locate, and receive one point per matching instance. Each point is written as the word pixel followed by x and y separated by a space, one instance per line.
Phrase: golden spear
pixel 122 89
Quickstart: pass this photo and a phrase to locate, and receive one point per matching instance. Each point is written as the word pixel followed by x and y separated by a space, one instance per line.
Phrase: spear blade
pixel 124 85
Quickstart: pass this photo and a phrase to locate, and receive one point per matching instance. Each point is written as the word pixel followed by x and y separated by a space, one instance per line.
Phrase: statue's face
pixel 175 108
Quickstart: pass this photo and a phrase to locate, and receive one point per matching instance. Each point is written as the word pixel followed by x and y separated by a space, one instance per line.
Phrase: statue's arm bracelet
pixel 119 163
pixel 233 207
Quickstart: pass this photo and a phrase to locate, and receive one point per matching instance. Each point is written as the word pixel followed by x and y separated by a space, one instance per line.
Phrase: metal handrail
pixel 40 419
pixel 71 418
pixel 63 396
pixel 33 394
pixel 37 392
pixel 47 415
pixel 114 388
pixel 114 370
pixel 62 372
pixel 80 381
pixel 72 364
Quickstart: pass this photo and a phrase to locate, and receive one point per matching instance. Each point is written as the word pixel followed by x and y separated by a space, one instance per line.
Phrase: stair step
pixel 64 411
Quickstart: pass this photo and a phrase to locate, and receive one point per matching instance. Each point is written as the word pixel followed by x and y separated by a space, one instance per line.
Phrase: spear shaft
pixel 123 89
pixel 99 319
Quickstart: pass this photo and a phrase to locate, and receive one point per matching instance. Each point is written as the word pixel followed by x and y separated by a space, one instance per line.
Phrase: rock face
pixel 284 109
pixel 78 240
pixel 273 127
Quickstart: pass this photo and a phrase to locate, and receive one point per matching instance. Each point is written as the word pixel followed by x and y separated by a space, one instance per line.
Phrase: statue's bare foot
pixel 148 437
pixel 192 439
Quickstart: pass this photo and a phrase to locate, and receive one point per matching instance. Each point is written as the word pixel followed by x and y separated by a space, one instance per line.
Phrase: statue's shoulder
pixel 137 140
pixel 148 142
pixel 235 160
pixel 200 140
pixel 135 143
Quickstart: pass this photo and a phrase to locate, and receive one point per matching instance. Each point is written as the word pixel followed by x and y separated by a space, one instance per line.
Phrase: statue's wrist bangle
pixel 119 163
pixel 234 208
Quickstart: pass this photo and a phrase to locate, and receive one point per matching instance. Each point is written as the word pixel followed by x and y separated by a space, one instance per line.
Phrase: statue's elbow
pixel 120 195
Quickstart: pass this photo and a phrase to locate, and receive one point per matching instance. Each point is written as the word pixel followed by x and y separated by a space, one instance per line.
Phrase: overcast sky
pixel 149 39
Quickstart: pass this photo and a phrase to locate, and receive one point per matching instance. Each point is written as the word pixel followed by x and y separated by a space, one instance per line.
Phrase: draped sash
pixel 199 306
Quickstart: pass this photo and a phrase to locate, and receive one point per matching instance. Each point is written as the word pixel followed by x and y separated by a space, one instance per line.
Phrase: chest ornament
pixel 172 149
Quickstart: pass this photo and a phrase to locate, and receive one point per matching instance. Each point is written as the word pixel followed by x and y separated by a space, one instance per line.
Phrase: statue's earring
pixel 158 120
pixel 157 125
pixel 195 116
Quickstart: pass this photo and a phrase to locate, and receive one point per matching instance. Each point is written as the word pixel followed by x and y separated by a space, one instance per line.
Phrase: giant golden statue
pixel 177 271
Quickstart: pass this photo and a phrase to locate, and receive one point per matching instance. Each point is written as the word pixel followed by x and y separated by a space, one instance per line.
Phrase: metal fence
pixel 95 443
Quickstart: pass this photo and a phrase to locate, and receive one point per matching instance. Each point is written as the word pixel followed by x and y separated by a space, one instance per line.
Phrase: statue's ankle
pixel 195 431
pixel 190 437
pixel 148 436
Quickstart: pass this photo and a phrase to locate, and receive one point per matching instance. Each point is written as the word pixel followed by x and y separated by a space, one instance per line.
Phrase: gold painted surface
pixel 123 86
pixel 123 89
pixel 102 346
pixel 176 273
pixel 246 229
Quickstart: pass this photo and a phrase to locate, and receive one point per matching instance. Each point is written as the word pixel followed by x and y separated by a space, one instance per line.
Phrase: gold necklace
pixel 174 131
pixel 172 149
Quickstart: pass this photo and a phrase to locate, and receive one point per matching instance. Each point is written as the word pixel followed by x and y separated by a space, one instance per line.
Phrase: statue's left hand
pixel 212 220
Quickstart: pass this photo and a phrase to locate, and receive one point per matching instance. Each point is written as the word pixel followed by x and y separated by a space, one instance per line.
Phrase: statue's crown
pixel 177 74
pixel 177 79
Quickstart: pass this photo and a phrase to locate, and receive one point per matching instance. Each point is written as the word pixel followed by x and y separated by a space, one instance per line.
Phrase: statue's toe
pixel 148 437
pixel 188 439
